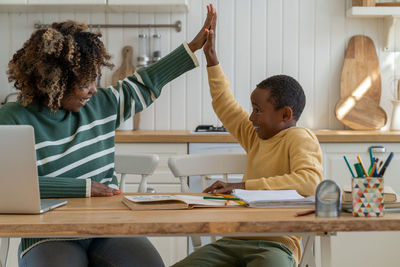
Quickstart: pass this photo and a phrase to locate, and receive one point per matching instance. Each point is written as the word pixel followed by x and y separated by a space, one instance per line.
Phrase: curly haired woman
pixel 75 122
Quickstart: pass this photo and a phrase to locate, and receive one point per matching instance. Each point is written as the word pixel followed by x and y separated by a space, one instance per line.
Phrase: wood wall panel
pixel 255 39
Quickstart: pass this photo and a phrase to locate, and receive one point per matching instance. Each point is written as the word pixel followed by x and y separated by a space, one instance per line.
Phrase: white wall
pixel 257 38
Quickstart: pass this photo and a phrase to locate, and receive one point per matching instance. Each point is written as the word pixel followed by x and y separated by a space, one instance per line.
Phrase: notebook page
pixel 267 195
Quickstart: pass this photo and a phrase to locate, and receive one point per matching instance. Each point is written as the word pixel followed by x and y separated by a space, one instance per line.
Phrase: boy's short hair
pixel 285 91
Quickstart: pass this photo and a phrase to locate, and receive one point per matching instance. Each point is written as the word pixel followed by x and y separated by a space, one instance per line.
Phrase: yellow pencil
pixel 362 166
pixel 373 168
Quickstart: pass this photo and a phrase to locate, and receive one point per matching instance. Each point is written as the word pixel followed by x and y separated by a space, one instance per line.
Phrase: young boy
pixel 280 156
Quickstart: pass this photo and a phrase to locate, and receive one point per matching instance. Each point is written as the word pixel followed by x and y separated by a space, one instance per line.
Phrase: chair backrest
pixel 4 246
pixel 140 164
pixel 204 165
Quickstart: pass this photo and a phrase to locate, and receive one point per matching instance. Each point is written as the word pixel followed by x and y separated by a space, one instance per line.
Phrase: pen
pixel 375 174
pixel 303 213
pixel 222 198
pixel 386 164
pixel 241 202
pixel 371 157
pixel 362 165
pixel 380 166
pixel 348 166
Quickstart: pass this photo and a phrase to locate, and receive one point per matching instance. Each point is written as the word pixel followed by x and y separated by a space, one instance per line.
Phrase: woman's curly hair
pixel 56 60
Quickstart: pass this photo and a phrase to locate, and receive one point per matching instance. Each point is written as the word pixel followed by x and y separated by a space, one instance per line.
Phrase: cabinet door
pixel 13 2
pixel 335 167
pixel 162 175
pixel 67 2
pixel 171 249
pixel 354 249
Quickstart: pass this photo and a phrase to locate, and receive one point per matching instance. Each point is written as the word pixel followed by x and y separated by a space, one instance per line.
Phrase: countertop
pixel 185 136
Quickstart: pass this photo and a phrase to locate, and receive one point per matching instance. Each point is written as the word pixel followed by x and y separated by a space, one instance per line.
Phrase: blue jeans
pixel 99 252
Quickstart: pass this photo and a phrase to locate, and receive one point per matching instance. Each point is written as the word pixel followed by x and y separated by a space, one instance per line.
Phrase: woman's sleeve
pixel 136 92
pixel 51 187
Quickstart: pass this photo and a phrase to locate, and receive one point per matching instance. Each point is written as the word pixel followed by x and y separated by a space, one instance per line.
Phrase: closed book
pixel 173 202
pixel 389 195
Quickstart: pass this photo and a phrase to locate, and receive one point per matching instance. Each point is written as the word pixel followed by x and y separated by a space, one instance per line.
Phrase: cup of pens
pixel 367 187
pixel 367 195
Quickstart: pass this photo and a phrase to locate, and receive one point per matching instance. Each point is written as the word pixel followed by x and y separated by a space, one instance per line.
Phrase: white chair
pixel 140 164
pixel 204 165
pixel 4 245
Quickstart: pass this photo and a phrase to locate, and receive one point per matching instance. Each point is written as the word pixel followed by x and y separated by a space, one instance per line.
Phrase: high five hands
pixel 200 39
pixel 209 46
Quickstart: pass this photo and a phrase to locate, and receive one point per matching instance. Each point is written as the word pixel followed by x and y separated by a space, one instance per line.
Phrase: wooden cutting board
pixel 360 87
pixel 361 74
pixel 361 114
pixel 126 69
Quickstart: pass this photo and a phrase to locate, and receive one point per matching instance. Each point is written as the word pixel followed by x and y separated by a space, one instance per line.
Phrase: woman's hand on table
pixel 102 190
pixel 199 40
pixel 222 188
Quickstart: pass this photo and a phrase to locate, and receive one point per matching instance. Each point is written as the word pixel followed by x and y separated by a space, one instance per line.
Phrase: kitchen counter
pixel 324 136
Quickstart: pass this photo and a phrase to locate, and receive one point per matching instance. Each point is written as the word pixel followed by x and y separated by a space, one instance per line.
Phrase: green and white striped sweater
pixel 74 148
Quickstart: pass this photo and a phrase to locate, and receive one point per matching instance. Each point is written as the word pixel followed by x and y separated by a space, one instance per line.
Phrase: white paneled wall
pixel 255 39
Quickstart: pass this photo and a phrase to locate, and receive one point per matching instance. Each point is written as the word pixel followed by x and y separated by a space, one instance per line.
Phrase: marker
pixel 386 164
pixel 348 166
pixel 362 166
pixel 359 170
pixel 222 198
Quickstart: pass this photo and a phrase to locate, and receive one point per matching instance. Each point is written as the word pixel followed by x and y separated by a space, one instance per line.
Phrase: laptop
pixel 19 182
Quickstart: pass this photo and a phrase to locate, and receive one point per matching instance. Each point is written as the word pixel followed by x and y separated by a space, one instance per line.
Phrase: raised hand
pixel 199 40
pixel 102 190
pixel 209 46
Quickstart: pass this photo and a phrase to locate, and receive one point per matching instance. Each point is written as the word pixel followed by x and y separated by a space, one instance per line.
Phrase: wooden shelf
pixel 373 12
pixel 390 15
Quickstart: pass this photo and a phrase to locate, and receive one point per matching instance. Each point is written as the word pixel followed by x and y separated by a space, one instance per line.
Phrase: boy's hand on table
pixel 222 188
pixel 199 40
pixel 102 190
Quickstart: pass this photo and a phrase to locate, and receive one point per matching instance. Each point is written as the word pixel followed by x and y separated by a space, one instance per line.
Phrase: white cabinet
pixel 111 6
pixel 162 180
pixel 171 249
pixel 354 249
pixel 13 2
pixel 149 5
pixel 67 2
pixel 389 14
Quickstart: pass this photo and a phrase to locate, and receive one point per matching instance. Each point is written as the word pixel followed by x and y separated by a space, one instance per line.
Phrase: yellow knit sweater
pixel 291 159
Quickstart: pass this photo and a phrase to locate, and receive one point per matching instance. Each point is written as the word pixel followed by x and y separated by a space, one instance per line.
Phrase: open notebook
pixel 273 198
pixel 157 202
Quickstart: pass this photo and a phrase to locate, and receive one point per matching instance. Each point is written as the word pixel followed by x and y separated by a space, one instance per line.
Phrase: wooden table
pixel 100 217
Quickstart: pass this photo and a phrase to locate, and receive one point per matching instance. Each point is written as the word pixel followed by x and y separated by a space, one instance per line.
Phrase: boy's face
pixel 266 120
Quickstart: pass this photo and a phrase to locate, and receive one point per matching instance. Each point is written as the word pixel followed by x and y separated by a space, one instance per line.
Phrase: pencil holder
pixel 367 196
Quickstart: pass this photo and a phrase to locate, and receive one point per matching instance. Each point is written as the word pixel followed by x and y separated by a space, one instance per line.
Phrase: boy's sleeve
pixel 138 91
pixel 234 118
pixel 306 170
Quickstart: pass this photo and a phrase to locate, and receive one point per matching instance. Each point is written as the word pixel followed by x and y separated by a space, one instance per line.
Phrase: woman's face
pixel 78 98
